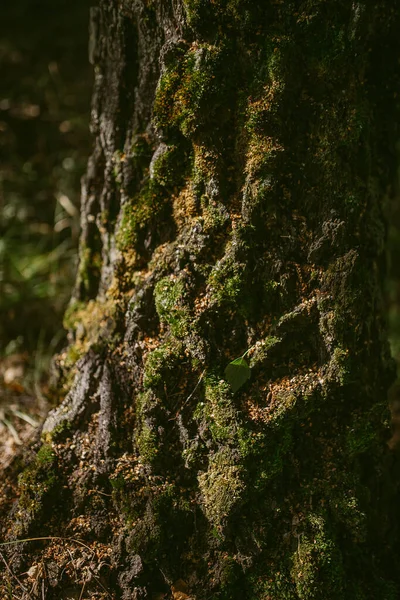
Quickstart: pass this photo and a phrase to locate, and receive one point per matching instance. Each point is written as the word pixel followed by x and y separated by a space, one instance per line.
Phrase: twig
pixel 99 492
pixel 82 590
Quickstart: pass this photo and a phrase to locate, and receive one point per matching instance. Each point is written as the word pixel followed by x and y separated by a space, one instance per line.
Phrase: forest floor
pixel 21 409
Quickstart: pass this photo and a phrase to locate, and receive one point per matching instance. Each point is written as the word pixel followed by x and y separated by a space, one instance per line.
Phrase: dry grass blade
pixel 12 430
pixel 49 537
pixel 24 417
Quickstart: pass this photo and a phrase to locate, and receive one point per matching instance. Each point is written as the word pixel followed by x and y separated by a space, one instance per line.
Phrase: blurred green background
pixel 45 88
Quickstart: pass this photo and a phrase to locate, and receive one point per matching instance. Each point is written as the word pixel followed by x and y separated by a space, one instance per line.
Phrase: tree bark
pixel 233 204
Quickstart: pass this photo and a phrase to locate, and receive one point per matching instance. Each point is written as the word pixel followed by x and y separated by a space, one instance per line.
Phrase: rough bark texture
pixel 233 202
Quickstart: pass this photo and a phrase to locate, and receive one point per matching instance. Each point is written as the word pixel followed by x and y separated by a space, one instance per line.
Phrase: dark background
pixel 45 87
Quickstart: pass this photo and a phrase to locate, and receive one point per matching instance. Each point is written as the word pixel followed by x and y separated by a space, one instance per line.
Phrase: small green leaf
pixel 237 373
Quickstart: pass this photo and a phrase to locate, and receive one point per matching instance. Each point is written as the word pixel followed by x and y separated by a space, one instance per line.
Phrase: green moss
pixel 192 90
pixel 38 480
pixel 275 584
pixel 156 361
pixel 346 505
pixel 263 452
pixel 262 349
pixel 169 297
pixel 143 402
pixel 172 167
pixel 226 280
pixel 45 457
pixel 340 368
pixel 317 563
pixel 150 205
pixel 215 214
pixel 146 433
pixel 147 444
pixel 90 323
pixel 138 214
pixel 221 487
pixel 263 120
pixel 71 316
pixel 62 431
pixel 160 361
pixel 192 10
pixel 211 17
pixel 73 354
pixel 179 94
pixel 218 410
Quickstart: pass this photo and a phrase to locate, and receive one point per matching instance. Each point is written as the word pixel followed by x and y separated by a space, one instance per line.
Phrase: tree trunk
pixel 233 204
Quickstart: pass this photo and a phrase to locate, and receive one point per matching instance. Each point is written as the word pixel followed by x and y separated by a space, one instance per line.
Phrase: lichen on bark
pixel 233 202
